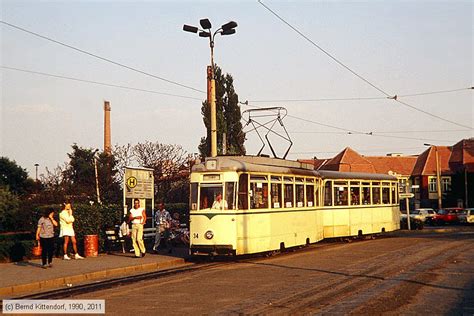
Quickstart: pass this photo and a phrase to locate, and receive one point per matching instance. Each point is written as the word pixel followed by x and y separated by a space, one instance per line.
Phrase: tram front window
pixel 211 197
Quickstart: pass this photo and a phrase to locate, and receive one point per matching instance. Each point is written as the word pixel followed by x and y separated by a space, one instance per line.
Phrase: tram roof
pixel 275 165
pixel 255 164
pixel 326 174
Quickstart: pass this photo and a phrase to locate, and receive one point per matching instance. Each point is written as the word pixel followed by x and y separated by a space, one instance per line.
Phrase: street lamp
pixel 438 177
pixel 36 167
pixel 205 31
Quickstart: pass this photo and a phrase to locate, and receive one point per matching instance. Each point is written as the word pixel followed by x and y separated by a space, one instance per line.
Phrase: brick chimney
pixel 107 136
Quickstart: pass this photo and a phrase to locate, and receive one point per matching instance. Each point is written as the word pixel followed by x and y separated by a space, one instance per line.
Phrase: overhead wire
pixel 392 97
pixel 100 57
pixel 361 98
pixel 353 132
pixel 99 83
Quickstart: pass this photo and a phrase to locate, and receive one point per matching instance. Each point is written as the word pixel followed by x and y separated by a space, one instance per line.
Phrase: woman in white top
pixel 66 219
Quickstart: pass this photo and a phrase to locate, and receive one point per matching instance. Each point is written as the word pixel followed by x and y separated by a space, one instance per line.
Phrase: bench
pixel 113 238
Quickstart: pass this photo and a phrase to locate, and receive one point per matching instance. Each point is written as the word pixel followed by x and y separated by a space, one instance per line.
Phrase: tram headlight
pixel 209 234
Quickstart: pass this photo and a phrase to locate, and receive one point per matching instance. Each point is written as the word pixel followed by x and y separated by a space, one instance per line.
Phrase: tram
pixel 251 204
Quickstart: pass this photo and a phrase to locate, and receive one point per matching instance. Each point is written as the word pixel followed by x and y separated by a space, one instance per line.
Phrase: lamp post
pixel 36 167
pixel 226 29
pixel 438 176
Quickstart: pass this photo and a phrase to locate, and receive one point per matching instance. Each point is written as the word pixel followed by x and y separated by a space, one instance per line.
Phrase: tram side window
pixel 366 194
pixel 299 195
pixel 288 192
pixel 276 195
pixel 328 193
pixel 208 195
pixel 376 193
pixel 394 193
pixel 340 195
pixel 230 194
pixel 309 195
pixel 385 194
pixel 355 195
pixel 316 194
pixel 243 191
pixel 259 195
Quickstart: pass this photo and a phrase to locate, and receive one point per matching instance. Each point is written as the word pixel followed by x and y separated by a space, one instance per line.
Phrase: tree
pixel 9 207
pixel 79 175
pixel 228 117
pixel 15 177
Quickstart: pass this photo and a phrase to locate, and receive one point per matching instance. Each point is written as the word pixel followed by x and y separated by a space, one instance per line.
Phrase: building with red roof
pixel 455 165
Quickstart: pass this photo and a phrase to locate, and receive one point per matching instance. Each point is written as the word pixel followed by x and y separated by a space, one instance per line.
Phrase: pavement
pixel 28 277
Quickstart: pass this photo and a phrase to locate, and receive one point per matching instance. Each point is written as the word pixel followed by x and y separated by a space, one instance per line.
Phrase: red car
pixel 447 216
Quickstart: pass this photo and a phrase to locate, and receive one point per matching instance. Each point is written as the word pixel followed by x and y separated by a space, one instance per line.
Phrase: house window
pixel 432 184
pixel 446 184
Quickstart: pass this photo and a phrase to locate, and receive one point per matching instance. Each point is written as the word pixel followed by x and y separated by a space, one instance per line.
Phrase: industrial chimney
pixel 107 137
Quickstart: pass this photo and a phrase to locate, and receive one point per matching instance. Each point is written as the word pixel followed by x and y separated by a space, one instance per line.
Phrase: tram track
pixel 372 281
pixel 194 265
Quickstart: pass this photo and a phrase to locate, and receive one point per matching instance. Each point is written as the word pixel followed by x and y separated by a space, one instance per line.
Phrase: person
pixel 162 222
pixel 179 234
pixel 45 236
pixel 137 216
pixel 66 220
pixel 219 203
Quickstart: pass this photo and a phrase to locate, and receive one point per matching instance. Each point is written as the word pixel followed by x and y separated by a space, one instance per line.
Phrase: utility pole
pixel 438 179
pixel 97 180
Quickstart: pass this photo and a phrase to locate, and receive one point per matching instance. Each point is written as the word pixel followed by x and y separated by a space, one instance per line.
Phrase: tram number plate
pixel 195 235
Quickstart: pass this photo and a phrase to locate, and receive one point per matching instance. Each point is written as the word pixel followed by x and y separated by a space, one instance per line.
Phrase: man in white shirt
pixel 137 216
pixel 219 203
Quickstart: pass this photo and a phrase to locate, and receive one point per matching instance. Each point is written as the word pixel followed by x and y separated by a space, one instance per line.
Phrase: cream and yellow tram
pixel 244 205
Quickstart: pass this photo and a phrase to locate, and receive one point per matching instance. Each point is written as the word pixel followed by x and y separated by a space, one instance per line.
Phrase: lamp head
pixel 189 28
pixel 205 24
pixel 228 32
pixel 228 26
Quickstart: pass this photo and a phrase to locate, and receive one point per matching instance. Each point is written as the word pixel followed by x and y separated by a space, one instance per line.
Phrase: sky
pixel 396 47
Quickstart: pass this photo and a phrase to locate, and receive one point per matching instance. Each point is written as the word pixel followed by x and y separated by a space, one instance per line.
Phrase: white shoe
pixel 76 256
pixel 66 257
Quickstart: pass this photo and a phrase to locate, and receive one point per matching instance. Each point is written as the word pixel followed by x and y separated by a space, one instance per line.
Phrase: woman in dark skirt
pixel 45 235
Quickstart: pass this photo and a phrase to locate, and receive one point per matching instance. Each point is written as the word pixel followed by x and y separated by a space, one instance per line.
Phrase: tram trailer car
pixel 245 205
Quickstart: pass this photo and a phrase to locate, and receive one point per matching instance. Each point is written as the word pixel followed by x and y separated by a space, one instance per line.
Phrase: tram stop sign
pixel 138 183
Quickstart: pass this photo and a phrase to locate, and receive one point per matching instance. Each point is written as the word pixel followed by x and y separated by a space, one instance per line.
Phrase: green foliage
pixel 15 177
pixel 181 208
pixel 15 246
pixel 9 208
pixel 228 118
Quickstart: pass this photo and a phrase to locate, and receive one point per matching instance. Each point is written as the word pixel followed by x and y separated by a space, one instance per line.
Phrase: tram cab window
pixel 340 194
pixel 275 193
pixel 244 191
pixel 328 193
pixel 258 195
pixel 309 195
pixel 376 192
pixel 208 194
pixel 230 194
pixel 366 200
pixel 194 196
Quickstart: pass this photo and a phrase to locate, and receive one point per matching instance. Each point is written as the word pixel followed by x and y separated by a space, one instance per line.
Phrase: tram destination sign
pixel 138 183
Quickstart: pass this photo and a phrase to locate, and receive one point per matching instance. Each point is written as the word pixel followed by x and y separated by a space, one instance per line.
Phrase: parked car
pixel 467 216
pixel 424 215
pixel 447 216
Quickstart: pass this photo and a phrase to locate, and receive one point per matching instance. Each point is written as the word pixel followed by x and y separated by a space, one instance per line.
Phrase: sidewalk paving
pixel 27 277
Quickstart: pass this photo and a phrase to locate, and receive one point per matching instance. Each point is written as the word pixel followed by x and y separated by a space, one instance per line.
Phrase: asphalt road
pixel 427 272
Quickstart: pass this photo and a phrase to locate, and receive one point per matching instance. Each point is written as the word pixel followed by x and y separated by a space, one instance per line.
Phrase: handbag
pixel 36 250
